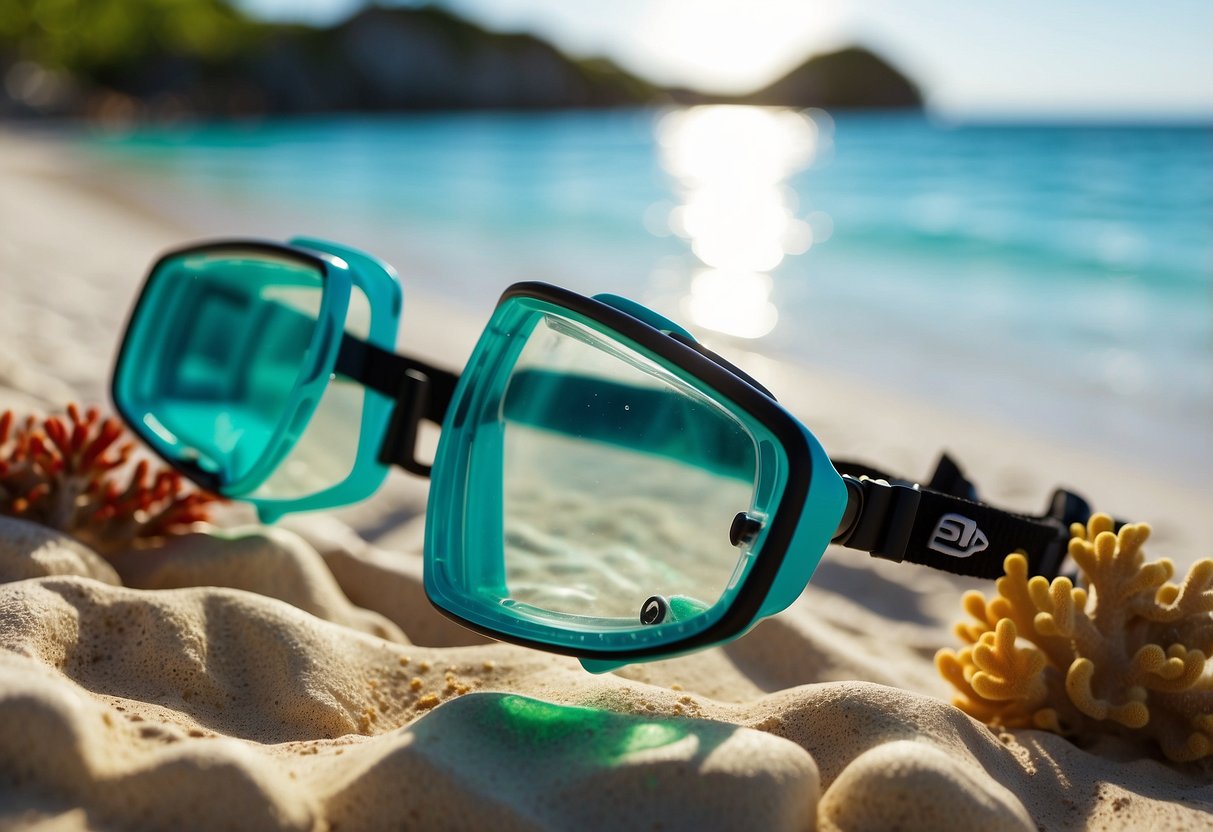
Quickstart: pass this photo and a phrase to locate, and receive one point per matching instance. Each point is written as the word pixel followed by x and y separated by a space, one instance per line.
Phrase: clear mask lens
pixel 620 484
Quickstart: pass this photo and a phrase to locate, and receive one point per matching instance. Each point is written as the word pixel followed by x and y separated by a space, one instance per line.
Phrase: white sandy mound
pixel 208 707
pixel 147 706
pixel 268 561
pixel 30 550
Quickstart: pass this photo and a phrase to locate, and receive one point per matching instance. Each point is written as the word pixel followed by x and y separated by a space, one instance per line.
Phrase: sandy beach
pixel 295 677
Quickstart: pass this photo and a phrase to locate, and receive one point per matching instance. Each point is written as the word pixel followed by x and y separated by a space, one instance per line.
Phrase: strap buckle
pixel 400 442
pixel 879 517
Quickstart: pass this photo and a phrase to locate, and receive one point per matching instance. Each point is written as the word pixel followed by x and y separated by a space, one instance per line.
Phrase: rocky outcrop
pixel 853 78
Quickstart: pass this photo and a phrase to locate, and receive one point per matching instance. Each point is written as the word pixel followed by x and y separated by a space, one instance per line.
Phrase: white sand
pixel 297 678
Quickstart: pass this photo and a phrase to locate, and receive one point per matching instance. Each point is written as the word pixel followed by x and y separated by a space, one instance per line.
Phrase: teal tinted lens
pixel 619 484
pixel 219 342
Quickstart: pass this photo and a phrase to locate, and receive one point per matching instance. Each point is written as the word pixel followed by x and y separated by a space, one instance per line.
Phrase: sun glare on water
pixel 737 212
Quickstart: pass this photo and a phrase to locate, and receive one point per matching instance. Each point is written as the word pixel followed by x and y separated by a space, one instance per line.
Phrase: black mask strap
pixel 944 526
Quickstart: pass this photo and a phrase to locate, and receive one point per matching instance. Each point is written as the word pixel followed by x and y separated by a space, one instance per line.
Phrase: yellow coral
pixel 1129 653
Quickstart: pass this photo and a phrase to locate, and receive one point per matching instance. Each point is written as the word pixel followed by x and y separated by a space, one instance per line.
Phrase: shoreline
pixel 1090 331
pixel 1075 382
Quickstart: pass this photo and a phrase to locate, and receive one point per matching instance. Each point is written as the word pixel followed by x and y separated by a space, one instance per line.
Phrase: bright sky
pixel 1050 58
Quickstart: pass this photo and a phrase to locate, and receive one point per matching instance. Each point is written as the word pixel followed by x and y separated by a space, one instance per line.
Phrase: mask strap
pixel 420 390
pixel 942 525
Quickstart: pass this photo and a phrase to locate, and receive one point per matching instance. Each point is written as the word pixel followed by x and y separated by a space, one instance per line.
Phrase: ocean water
pixel 1060 277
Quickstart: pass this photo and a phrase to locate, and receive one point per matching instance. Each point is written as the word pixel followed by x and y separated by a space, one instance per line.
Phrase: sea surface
pixel 1059 277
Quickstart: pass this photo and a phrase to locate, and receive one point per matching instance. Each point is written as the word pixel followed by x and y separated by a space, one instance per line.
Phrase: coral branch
pixel 1132 713
pixel 1006 671
pixel 65 472
pixel 1193 597
pixel 958 668
pixel 1130 655
pixel 1175 670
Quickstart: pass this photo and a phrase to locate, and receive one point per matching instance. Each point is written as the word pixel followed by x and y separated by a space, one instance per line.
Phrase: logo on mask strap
pixel 957 536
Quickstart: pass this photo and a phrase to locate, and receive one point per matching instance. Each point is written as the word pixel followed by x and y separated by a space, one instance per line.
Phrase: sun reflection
pixel 735 303
pixel 737 212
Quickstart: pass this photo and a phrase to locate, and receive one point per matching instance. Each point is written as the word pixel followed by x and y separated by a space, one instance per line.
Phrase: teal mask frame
pixel 340 270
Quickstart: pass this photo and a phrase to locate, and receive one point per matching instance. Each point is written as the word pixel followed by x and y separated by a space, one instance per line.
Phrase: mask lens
pixel 620 484
pixel 220 340
pixel 327 451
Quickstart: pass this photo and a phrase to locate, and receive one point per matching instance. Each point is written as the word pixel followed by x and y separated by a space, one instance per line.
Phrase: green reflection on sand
pixel 601 735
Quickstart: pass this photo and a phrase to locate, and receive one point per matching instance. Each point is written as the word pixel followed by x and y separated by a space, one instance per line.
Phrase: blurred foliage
pixel 162 58
pixel 89 37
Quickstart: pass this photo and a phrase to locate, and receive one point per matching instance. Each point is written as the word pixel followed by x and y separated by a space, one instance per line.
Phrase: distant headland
pixel 140 58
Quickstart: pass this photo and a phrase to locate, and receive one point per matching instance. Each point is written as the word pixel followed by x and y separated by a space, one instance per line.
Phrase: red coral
pixel 64 472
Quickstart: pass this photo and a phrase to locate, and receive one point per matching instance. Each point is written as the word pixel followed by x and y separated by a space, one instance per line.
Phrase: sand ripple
pixel 214 706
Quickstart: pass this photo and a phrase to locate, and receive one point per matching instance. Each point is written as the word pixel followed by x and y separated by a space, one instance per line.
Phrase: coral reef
pixel 65 472
pixel 1124 654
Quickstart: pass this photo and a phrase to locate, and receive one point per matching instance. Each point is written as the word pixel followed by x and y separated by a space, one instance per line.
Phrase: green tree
pixel 91 37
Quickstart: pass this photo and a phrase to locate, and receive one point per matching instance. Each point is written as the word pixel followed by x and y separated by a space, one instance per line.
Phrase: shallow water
pixel 1059 277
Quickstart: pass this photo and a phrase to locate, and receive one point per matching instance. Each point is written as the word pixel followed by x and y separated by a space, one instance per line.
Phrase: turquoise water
pixel 1061 277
